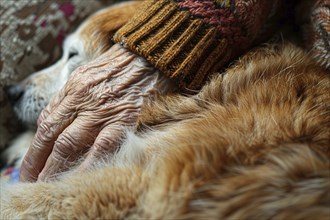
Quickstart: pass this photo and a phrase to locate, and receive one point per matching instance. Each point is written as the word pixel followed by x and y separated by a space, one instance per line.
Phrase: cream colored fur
pixel 253 144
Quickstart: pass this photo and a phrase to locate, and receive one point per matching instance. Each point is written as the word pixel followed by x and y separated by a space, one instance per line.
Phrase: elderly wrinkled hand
pixel 88 117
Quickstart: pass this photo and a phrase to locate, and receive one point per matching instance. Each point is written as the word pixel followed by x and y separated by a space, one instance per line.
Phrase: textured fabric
pixel 31 34
pixel 315 22
pixel 188 39
pixel 221 16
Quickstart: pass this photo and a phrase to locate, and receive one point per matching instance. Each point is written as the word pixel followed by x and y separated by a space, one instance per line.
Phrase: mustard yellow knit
pixel 187 46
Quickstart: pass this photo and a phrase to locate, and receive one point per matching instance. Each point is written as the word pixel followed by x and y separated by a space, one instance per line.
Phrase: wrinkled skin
pixel 90 114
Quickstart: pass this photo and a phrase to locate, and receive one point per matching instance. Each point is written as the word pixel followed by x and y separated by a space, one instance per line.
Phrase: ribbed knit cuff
pixel 182 47
pixel 190 39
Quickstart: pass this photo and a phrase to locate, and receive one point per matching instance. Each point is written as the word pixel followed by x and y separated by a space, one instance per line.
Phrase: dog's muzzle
pixel 14 92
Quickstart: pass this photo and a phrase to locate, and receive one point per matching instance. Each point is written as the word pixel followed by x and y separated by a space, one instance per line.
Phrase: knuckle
pixel 105 144
pixel 44 113
pixel 44 134
pixel 64 146
pixel 67 147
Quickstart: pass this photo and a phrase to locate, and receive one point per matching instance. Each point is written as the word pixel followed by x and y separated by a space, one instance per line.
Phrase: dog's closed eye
pixel 72 54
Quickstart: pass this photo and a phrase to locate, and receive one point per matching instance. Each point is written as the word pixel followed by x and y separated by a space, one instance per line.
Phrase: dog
pixel 91 39
pixel 252 144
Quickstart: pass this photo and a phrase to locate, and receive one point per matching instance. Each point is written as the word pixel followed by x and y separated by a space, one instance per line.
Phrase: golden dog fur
pixel 253 144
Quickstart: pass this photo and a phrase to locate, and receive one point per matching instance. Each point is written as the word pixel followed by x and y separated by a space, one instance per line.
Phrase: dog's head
pixel 90 40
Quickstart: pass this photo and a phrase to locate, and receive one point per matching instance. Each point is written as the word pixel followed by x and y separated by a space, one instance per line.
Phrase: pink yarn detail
pixel 67 9
pixel 222 18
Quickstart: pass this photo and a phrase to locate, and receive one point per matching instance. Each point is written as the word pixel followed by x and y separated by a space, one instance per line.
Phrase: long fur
pixel 253 144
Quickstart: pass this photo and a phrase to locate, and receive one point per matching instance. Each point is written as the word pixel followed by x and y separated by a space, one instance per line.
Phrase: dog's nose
pixel 14 92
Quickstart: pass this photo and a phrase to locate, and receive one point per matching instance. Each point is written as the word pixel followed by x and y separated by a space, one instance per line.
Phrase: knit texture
pixel 315 24
pixel 190 39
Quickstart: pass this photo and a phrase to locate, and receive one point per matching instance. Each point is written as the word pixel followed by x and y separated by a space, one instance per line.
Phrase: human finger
pixel 42 144
pixel 106 143
pixel 76 139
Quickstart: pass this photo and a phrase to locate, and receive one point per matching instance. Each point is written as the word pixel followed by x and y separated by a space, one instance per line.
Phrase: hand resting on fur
pixel 91 113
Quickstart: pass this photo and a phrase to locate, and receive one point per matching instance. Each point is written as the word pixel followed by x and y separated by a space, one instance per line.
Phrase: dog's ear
pixel 102 26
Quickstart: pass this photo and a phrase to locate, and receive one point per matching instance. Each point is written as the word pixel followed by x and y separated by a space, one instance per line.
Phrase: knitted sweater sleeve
pixel 188 39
